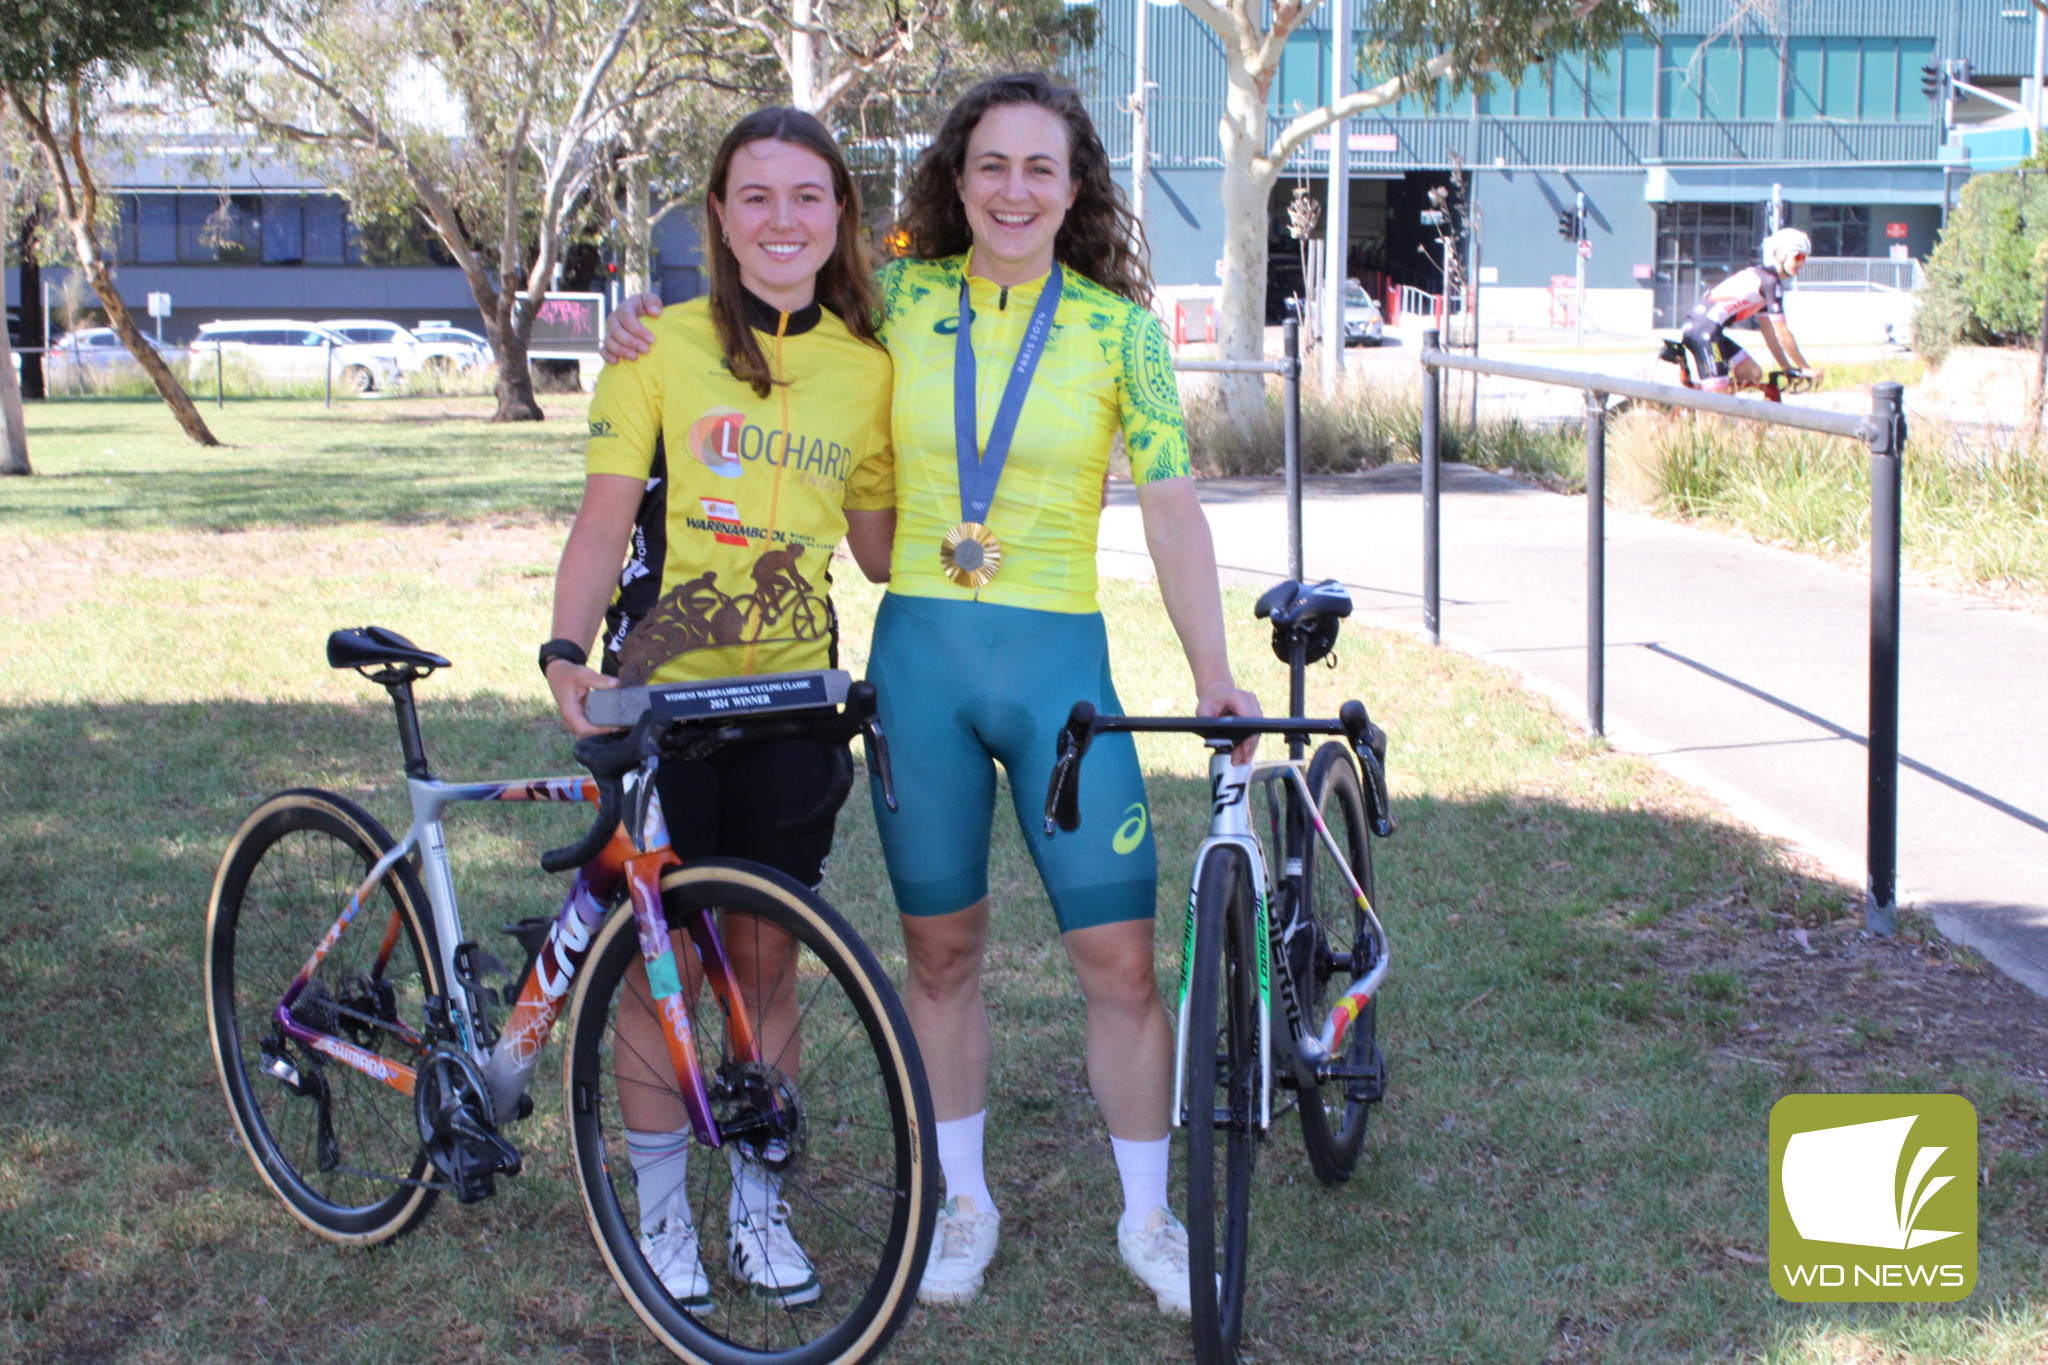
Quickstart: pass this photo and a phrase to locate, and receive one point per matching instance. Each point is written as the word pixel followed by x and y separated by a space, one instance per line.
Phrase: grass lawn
pixel 1600 984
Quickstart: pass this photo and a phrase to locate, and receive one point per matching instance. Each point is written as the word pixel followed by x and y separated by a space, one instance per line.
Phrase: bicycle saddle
pixel 372 646
pixel 1310 611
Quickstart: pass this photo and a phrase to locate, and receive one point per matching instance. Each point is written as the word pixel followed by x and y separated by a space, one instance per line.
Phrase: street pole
pixel 1290 440
pixel 1579 247
pixel 1432 441
pixel 1141 133
pixel 1596 562
pixel 2040 64
pixel 1337 213
pixel 1887 452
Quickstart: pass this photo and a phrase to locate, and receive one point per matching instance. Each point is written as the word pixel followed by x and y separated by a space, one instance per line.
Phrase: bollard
pixel 1887 439
pixel 1432 434
pixel 1596 562
pixel 330 373
pixel 1290 332
pixel 220 378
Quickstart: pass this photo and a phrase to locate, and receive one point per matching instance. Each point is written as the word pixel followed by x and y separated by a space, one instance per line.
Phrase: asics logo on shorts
pixel 1131 832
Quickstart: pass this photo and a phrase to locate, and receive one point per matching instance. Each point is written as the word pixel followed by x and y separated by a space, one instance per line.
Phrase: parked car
pixel 288 349
pixel 1363 325
pixel 441 334
pixel 95 353
pixel 411 351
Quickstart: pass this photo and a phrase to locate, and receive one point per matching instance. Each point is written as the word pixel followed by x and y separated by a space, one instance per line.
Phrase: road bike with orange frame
pixel 356 1031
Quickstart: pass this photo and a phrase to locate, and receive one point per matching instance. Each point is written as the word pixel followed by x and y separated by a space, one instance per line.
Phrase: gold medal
pixel 971 554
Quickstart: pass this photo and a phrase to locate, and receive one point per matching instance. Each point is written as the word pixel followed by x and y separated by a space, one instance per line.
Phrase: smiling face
pixel 1016 186
pixel 779 214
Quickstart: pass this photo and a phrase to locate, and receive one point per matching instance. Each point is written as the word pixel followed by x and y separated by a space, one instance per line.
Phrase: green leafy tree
pixel 484 120
pixel 1985 279
pixel 1405 46
pixel 57 58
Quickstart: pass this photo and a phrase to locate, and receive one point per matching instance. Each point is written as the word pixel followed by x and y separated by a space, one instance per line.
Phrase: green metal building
pixel 1681 142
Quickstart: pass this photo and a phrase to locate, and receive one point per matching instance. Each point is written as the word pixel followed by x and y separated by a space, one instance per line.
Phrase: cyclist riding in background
pixel 1757 292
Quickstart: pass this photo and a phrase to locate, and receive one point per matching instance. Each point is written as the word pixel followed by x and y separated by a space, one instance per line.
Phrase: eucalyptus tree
pixel 58 59
pixel 1428 47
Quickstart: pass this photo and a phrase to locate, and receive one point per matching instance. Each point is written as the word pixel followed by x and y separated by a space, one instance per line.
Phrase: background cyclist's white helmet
pixel 1785 246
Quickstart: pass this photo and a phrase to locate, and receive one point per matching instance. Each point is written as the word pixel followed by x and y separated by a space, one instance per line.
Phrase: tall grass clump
pixel 1364 425
pixel 1976 506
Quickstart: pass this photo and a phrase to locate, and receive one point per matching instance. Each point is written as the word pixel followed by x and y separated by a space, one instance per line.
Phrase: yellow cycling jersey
pixel 1105 369
pixel 746 496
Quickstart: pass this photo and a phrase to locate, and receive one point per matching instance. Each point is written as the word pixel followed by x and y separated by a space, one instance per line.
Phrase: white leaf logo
pixel 1842 1185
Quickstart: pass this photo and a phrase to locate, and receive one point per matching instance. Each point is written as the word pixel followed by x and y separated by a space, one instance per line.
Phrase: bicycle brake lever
pixel 878 754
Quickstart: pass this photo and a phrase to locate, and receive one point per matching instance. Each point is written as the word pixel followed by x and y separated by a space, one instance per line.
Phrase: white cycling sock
pixel 754 1187
pixel 660 1160
pixel 960 1145
pixel 1142 1167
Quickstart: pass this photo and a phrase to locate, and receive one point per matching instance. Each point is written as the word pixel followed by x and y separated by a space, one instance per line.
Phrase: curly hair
pixel 846 284
pixel 1099 237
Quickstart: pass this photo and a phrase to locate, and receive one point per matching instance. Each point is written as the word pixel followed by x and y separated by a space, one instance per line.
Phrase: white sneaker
pixel 1157 1253
pixel 963 1243
pixel 672 1254
pixel 764 1255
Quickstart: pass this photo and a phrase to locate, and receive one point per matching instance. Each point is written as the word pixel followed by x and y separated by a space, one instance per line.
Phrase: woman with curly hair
pixel 1024 346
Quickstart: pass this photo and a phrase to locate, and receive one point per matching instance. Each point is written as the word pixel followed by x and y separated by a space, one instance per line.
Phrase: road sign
pixel 1585 251
pixel 1897 232
pixel 159 305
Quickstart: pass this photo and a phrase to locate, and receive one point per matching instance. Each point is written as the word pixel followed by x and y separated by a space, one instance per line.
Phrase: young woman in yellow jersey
pixel 723 473
pixel 990 630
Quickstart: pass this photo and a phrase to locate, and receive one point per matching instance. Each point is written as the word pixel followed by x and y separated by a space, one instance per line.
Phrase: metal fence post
pixel 220 378
pixel 1290 332
pixel 330 372
pixel 1596 562
pixel 1432 437
pixel 1887 451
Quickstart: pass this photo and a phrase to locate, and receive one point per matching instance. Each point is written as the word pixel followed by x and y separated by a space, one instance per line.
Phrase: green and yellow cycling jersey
pixel 1106 369
pixel 746 496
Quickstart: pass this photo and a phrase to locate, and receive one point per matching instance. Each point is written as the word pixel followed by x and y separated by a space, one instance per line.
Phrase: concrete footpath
pixel 1740 668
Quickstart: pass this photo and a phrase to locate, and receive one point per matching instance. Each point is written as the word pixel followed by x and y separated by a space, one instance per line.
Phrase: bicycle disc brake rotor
pixel 758 1110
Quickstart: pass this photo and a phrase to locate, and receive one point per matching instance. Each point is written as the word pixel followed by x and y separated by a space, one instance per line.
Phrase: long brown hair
pixel 846 283
pixel 1099 236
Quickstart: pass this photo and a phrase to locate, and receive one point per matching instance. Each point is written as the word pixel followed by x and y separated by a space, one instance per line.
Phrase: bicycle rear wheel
pixel 1221 1089
pixel 340 1149
pixel 1339 946
pixel 844 1091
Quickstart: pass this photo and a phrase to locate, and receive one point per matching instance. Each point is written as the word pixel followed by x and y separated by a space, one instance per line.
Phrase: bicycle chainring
pixel 458 1126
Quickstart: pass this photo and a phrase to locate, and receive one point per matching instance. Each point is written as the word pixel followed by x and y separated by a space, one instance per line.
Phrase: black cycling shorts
pixel 1712 351
pixel 728 805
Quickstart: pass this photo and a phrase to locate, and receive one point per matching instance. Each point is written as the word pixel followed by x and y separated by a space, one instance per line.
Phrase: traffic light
pixel 1568 224
pixel 1932 78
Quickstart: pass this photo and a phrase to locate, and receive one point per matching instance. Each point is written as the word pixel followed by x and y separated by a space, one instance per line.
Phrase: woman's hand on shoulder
pixel 1228 699
pixel 571 683
pixel 627 338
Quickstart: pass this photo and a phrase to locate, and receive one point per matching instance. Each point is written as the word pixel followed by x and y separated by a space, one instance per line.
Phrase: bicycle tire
pixel 1221 1080
pixel 287 874
pixel 1338 925
pixel 864 1194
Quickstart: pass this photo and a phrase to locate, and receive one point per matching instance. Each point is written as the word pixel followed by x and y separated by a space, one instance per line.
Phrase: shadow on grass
pixel 1561 1169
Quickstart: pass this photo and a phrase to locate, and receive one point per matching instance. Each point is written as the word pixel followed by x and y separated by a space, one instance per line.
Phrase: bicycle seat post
pixel 409 741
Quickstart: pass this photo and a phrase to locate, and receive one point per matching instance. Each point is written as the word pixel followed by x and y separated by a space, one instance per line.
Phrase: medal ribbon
pixel 979 471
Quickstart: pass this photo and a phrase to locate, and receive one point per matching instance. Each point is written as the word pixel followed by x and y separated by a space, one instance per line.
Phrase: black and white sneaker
pixel 762 1254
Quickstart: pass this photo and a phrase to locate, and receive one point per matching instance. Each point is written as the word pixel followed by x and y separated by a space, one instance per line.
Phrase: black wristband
pixel 562 649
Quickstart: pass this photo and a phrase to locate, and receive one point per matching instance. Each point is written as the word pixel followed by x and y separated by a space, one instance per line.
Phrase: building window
pixel 324 219
pixel 1872 80
pixel 148 232
pixel 1840 230
pixel 284 236
pixel 1703 80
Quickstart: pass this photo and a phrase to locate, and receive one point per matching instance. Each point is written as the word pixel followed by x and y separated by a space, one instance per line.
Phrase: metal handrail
pixel 1883 430
pixel 1671 395
pixel 1288 367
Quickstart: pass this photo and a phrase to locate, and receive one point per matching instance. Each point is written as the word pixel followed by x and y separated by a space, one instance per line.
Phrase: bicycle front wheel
pixel 340 1149
pixel 1333 943
pixel 834 1105
pixel 1221 1088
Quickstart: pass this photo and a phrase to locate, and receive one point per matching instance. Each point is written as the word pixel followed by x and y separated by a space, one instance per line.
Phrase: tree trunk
pixel 516 402
pixel 146 355
pixel 1247 188
pixel 803 57
pixel 637 244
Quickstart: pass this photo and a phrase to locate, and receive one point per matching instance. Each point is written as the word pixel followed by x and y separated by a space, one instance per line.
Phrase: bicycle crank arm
pixel 1315 1051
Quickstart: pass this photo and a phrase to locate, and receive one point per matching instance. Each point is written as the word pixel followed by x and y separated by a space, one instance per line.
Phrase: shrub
pixel 1986 276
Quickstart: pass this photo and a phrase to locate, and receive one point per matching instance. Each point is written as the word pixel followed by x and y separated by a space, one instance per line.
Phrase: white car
pixel 282 348
pixel 1363 325
pixel 478 349
pixel 411 351
pixel 94 352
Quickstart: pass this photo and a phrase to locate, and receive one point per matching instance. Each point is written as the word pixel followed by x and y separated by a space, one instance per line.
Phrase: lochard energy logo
pixel 1873 1198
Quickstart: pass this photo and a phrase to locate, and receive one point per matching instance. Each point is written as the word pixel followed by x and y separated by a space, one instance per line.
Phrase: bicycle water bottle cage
pixel 1310 612
pixel 395 658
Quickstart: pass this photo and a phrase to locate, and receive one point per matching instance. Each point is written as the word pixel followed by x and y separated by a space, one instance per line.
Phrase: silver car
pixel 282 348
pixel 1363 325
pixel 91 353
